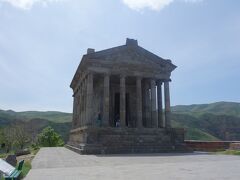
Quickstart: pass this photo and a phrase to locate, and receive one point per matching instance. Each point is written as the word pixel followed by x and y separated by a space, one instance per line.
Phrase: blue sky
pixel 42 42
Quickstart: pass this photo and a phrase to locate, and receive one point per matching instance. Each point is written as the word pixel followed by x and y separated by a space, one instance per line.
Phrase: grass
pixel 27 163
pixel 3 155
pixel 26 168
pixel 35 151
pixel 197 134
pixel 230 152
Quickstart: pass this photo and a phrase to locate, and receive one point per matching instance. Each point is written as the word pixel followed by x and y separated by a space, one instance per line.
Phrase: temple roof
pixel 128 55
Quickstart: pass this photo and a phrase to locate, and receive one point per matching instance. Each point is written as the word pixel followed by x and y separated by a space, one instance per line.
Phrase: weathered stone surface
pixel 198 145
pixel 234 146
pixel 22 152
pixel 126 140
pixel 11 159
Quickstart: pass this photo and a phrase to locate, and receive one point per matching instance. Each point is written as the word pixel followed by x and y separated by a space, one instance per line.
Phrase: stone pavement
pixel 61 163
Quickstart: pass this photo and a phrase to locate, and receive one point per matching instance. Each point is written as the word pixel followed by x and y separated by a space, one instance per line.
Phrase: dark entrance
pixel 117 108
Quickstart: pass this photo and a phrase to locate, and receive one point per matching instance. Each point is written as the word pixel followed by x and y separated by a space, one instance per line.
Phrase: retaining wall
pixel 209 145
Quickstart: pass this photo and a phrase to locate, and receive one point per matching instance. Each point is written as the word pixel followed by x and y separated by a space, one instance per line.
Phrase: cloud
pixel 151 4
pixel 27 4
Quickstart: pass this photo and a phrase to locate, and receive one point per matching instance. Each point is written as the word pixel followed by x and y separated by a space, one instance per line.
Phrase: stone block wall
pixel 208 145
pixel 127 140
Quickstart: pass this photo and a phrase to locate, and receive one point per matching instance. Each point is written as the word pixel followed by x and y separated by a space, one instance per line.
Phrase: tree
pixel 21 136
pixel 49 138
pixel 8 138
pixel 2 143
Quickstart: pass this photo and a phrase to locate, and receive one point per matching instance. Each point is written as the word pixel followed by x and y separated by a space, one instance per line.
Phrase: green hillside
pixel 219 120
pixel 216 121
pixel 35 121
pixel 54 116
pixel 218 108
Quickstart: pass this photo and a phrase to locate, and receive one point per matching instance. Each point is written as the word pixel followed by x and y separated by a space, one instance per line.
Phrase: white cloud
pixel 27 4
pixel 151 4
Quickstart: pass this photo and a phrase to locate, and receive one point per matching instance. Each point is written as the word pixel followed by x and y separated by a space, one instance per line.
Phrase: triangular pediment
pixel 130 56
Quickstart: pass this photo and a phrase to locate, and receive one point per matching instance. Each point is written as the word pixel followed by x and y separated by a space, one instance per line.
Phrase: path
pixel 61 163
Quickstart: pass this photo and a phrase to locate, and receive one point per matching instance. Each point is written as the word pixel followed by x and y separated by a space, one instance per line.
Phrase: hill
pixel 35 121
pixel 220 120
pixel 53 116
pixel 218 108
pixel 215 121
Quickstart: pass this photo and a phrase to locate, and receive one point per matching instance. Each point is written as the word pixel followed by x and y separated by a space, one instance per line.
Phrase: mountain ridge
pixel 213 121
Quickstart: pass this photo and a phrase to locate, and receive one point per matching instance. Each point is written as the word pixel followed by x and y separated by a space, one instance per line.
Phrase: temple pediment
pixel 126 58
pixel 129 56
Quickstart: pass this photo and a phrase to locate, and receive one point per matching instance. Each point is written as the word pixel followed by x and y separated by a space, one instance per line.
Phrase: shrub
pixel 49 138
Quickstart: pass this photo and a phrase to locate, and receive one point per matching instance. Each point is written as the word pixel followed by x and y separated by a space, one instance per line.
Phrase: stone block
pixel 126 140
pixel 11 159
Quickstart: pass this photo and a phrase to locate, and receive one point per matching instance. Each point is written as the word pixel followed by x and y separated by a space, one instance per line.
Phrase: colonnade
pixel 149 102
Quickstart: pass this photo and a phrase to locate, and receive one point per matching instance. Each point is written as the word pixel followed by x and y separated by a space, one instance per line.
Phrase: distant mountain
pixel 220 120
pixel 215 121
pixel 54 116
pixel 218 108
pixel 35 121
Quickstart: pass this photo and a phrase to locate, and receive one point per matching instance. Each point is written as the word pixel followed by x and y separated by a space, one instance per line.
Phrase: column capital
pixel 160 81
pixel 122 75
pixel 90 73
pixel 153 81
pixel 167 80
pixel 106 74
pixel 139 77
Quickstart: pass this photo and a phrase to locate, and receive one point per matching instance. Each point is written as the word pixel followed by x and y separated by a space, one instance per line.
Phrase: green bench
pixel 16 173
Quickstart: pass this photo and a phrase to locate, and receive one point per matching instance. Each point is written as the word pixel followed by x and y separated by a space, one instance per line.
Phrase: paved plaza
pixel 61 163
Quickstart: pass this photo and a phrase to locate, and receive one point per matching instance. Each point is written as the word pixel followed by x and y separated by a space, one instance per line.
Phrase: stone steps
pixel 91 149
pixel 128 140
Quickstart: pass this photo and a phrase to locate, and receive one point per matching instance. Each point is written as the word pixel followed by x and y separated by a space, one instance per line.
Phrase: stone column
pixel 154 105
pixel 78 109
pixel 89 99
pixel 147 104
pixel 160 106
pixel 81 103
pixel 122 101
pixel 167 104
pixel 84 101
pixel 139 102
pixel 74 112
pixel 106 99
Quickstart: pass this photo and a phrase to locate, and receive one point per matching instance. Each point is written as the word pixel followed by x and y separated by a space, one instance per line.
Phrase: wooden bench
pixel 15 174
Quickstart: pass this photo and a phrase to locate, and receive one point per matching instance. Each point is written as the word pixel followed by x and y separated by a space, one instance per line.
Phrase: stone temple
pixel 118 103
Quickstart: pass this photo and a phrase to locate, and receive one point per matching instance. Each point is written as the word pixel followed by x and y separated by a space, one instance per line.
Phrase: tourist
pixel 99 119
pixel 117 121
